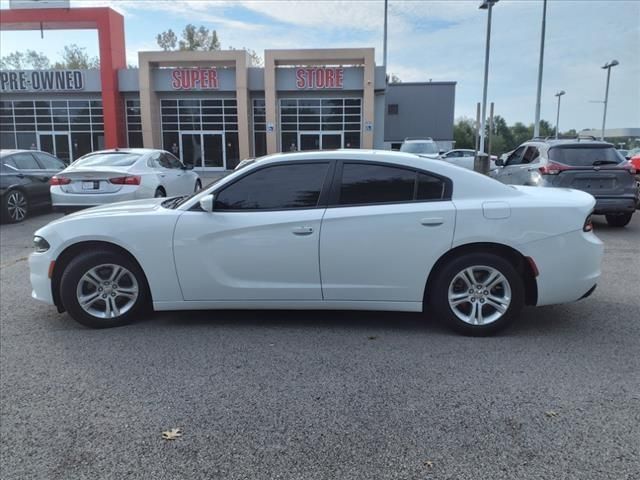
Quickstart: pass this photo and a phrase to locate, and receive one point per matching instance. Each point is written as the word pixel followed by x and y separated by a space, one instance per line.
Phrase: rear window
pixel 583 156
pixel 108 160
pixel 419 147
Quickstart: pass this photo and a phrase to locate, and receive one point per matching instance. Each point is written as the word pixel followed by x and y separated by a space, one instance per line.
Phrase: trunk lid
pixel 94 180
pixel 608 180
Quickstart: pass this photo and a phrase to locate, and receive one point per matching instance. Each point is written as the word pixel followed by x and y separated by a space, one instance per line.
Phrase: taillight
pixel 629 167
pixel 552 168
pixel 588 226
pixel 128 180
pixel 56 180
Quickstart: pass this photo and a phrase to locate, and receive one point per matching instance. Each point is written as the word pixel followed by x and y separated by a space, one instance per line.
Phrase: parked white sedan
pixel 346 229
pixel 117 175
pixel 464 158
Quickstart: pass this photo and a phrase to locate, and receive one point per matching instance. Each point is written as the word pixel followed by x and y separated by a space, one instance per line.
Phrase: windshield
pixel 584 156
pixel 419 147
pixel 108 160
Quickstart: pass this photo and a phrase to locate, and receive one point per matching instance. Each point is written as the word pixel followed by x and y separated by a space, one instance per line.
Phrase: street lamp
pixel 486 5
pixel 607 66
pixel 559 94
pixel 536 123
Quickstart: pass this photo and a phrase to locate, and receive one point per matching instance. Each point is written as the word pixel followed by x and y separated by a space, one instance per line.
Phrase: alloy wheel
pixel 479 295
pixel 107 291
pixel 17 206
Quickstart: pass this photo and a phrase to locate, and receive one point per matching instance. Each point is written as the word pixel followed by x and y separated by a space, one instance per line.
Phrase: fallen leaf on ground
pixel 551 413
pixel 172 434
pixel 372 337
pixel 428 463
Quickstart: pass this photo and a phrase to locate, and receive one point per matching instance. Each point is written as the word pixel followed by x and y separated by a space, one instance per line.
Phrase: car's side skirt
pixel 291 305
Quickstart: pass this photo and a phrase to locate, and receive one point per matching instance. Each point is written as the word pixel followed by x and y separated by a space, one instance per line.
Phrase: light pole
pixel 486 5
pixel 607 66
pixel 384 43
pixel 536 123
pixel 559 94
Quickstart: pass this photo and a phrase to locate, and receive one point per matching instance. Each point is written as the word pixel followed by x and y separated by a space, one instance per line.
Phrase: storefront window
pixel 329 123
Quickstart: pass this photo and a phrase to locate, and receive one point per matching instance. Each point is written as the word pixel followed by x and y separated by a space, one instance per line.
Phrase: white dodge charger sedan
pixel 117 175
pixel 345 229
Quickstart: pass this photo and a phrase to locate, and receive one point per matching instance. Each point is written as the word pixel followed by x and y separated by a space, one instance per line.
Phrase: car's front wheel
pixel 477 294
pixel 15 206
pixel 198 186
pixel 619 220
pixel 103 289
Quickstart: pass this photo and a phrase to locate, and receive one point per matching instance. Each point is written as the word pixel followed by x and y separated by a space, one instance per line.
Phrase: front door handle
pixel 432 222
pixel 302 230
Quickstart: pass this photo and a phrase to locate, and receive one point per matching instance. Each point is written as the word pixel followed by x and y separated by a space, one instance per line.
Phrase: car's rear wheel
pixel 477 294
pixel 198 186
pixel 103 289
pixel 15 206
pixel 619 220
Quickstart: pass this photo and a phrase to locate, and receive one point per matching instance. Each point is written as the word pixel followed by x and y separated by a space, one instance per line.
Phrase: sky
pixel 439 40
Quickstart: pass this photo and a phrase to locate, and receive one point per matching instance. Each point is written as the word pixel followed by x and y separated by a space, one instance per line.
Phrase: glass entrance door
pixel 203 150
pixel 320 140
pixel 57 144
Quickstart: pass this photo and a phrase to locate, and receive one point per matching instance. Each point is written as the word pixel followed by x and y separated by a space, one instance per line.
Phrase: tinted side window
pixel 25 161
pixel 429 187
pixel 516 157
pixel 48 162
pixel 275 188
pixel 172 161
pixel 362 184
pixel 530 155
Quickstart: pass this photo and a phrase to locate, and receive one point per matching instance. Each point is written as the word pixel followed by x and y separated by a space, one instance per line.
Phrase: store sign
pixel 41 80
pixel 194 79
pixel 319 78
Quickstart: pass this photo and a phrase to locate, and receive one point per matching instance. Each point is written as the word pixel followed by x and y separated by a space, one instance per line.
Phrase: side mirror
pixel 442 152
pixel 206 203
pixel 187 166
pixel 499 162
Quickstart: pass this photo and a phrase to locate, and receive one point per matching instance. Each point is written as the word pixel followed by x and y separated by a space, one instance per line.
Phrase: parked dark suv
pixel 584 164
pixel 24 181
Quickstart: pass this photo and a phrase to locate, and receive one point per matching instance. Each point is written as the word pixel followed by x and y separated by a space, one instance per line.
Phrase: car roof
pixel 583 142
pixel 141 151
pixel 11 151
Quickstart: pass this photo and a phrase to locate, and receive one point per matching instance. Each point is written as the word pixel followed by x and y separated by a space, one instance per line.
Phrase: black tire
pixel 619 220
pixel 160 193
pixel 439 293
pixel 198 186
pixel 75 271
pixel 15 206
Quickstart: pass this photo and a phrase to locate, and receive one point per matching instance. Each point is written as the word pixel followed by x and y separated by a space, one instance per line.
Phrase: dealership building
pixel 212 109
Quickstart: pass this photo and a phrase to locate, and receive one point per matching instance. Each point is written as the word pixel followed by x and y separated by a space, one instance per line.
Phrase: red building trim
pixel 110 26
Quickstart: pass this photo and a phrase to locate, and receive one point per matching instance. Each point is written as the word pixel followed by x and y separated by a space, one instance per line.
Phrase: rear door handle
pixel 302 230
pixel 432 222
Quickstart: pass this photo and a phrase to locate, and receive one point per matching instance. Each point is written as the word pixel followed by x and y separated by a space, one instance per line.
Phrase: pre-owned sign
pixel 41 80
pixel 319 77
pixel 194 79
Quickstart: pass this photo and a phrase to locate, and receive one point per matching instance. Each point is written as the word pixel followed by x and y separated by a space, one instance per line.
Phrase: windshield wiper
pixel 605 162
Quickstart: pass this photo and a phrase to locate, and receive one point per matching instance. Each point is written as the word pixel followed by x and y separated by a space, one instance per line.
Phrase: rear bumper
pixel 615 205
pixel 568 265
pixel 75 201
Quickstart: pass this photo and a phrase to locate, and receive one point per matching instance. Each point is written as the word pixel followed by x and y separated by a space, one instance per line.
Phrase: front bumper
pixel 606 205
pixel 39 264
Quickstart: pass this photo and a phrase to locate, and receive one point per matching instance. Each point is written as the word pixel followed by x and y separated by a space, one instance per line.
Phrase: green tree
pixel 192 38
pixel 167 40
pixel 255 59
pixel 76 57
pixel 395 79
pixel 29 59
pixel 464 133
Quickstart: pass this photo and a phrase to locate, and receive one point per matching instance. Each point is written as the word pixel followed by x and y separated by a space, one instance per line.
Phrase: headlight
pixel 40 244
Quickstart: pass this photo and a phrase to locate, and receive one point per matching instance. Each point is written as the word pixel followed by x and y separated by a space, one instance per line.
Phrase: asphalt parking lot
pixel 330 395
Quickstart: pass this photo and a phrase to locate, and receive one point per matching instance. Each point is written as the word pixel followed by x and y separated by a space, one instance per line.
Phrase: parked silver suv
pixel 584 164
